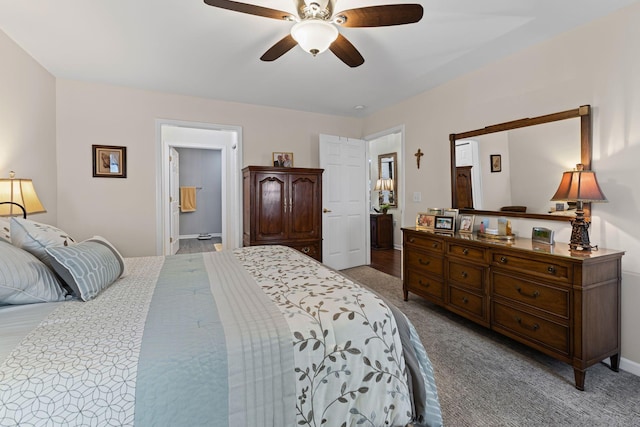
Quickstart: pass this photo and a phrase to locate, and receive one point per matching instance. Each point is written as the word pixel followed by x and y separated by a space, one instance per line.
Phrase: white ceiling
pixel 190 48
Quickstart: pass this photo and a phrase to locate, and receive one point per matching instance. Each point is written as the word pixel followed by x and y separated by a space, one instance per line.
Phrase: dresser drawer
pixel 467 302
pixel 423 284
pixel 468 275
pixel 464 251
pixel 551 270
pixel 536 329
pixel 425 241
pixel 424 261
pixel 547 298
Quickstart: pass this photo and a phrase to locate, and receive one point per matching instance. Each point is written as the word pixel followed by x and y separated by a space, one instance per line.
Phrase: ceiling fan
pixel 316 25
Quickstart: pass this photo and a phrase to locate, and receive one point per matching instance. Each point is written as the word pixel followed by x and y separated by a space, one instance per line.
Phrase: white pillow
pixel 35 237
pixel 26 280
pixel 5 234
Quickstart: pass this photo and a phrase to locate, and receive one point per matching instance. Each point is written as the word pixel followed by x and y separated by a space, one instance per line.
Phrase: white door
pixel 174 200
pixel 345 222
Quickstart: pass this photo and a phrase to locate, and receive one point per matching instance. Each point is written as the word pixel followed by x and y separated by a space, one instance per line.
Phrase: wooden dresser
pixel 562 303
pixel 283 206
pixel 381 231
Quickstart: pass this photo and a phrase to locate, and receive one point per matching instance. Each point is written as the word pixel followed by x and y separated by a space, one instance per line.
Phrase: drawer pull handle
pixel 465 300
pixel 464 274
pixel 503 259
pixel 305 250
pixel 465 251
pixel 426 284
pixel 534 327
pixel 427 262
pixel 434 245
pixel 551 269
pixel 535 294
pixel 412 240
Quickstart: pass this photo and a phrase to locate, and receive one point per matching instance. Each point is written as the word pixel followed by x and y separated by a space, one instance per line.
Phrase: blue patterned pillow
pixel 87 267
pixel 24 279
pixel 35 237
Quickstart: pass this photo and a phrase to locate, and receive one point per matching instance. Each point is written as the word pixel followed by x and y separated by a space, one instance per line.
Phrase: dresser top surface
pixel 558 249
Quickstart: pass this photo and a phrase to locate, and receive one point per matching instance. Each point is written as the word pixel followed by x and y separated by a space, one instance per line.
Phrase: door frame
pixel 400 196
pixel 231 181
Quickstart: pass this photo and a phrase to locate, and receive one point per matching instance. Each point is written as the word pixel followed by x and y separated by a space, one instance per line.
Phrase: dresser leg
pixel 615 362
pixel 579 376
pixel 406 294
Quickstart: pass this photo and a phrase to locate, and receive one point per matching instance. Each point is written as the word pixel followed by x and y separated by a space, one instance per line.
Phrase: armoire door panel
pixel 305 210
pixel 272 222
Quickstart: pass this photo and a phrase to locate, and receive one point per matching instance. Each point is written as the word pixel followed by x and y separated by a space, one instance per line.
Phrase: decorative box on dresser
pixel 381 231
pixel 563 303
pixel 283 206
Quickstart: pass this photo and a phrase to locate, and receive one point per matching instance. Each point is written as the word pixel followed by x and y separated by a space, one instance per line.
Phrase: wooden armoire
pixel 283 206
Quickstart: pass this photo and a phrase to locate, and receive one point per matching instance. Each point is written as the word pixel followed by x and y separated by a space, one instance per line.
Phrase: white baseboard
pixel 630 366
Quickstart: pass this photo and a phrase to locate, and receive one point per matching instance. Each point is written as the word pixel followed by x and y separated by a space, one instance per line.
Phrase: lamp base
pixel 580 234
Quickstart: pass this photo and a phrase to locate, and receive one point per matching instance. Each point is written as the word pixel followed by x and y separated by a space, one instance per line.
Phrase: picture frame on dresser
pixel 109 161
pixel 282 159
pixel 444 224
pixel 466 223
pixel 425 221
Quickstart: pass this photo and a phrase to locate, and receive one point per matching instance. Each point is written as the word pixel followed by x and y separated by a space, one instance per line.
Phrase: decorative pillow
pixel 35 237
pixel 4 230
pixel 87 267
pixel 26 280
pixel 115 251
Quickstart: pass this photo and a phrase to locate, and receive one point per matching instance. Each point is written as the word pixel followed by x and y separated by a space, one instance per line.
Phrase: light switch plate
pixel 417 196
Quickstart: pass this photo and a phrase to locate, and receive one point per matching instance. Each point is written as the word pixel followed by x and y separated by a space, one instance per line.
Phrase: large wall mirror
pixel 387 183
pixel 517 165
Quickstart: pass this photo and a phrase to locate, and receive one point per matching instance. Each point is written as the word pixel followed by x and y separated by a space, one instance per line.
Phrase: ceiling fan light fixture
pixel 314 35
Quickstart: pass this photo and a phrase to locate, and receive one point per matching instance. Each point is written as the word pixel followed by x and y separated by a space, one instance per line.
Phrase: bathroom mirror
pixel 532 154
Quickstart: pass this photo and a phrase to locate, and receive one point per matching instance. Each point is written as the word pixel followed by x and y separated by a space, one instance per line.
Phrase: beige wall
pixel 124 210
pixel 28 124
pixel 597 64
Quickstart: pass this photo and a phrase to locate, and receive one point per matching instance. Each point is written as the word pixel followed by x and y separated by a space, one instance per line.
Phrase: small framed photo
pixel 109 161
pixel 425 221
pixel 496 163
pixel 435 211
pixel 283 160
pixel 444 224
pixel 466 223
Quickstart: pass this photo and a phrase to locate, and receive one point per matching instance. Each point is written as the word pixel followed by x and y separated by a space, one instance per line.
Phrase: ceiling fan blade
pixel 279 49
pixel 346 52
pixel 381 16
pixel 250 9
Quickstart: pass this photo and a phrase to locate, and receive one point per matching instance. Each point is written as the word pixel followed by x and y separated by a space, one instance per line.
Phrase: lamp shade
pixel 579 186
pixel 384 185
pixel 21 191
pixel 314 35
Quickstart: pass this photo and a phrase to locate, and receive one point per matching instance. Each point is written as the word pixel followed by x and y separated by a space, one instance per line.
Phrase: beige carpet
pixel 485 379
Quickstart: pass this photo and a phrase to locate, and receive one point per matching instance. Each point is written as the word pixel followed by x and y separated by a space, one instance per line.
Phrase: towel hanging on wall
pixel 187 199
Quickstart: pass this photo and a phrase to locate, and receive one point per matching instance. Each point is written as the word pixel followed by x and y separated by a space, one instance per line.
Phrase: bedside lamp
pixel 18 192
pixel 579 186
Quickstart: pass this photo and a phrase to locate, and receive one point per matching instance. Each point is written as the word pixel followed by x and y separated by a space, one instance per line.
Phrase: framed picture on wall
pixel 496 163
pixel 283 160
pixel 109 161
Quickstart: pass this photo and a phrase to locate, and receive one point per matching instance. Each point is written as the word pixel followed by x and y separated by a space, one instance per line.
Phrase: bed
pixel 258 336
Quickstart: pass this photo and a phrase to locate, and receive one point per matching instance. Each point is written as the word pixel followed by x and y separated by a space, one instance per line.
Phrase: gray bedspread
pixel 259 336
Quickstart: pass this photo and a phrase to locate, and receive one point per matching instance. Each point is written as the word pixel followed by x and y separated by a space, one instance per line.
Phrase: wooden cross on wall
pixel 418 155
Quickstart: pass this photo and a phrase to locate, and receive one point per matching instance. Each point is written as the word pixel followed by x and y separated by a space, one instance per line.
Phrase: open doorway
pixel 227 140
